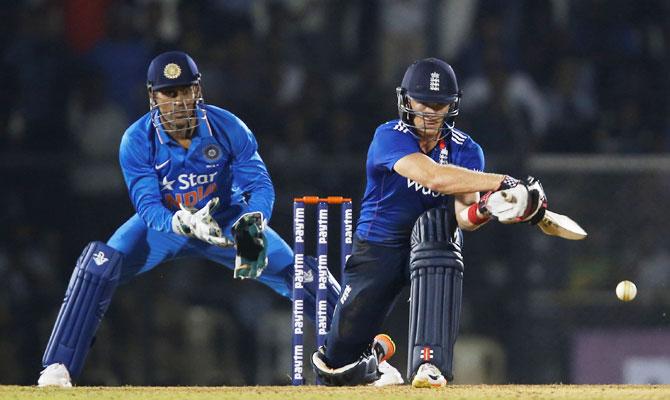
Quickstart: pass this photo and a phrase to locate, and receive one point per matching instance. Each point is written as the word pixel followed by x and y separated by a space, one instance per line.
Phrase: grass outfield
pixel 454 392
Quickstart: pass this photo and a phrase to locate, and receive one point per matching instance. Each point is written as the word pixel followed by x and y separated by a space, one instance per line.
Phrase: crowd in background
pixel 312 79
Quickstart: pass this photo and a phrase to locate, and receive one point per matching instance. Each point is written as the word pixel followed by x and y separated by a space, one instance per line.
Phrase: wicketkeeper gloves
pixel 251 245
pixel 200 224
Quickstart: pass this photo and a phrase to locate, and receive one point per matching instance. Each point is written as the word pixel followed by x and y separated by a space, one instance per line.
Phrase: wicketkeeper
pixel 200 189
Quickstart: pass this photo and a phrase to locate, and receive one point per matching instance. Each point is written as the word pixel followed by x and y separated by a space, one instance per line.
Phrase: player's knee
pixel 99 265
pixel 436 240
pixel 101 260
pixel 363 371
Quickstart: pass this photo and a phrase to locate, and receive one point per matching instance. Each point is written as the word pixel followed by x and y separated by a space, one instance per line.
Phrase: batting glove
pixel 517 202
pixel 483 207
pixel 537 203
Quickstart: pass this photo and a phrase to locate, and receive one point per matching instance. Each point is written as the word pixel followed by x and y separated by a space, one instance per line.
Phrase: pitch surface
pixel 453 392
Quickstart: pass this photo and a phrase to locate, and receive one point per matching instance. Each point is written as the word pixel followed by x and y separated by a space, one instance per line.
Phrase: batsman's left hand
pixel 523 202
pixel 251 245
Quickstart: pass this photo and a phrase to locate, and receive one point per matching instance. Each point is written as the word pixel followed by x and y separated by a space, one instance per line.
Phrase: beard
pixel 180 128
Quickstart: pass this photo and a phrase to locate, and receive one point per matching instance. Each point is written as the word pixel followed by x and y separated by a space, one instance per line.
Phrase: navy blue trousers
pixel 373 277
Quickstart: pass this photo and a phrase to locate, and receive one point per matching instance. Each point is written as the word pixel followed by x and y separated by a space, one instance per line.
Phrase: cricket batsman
pixel 199 189
pixel 423 183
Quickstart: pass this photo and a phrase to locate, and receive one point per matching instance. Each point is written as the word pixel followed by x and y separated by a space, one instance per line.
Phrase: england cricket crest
pixel 435 82
pixel 444 153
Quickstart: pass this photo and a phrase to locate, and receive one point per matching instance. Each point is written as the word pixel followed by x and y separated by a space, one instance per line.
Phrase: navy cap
pixel 431 80
pixel 173 68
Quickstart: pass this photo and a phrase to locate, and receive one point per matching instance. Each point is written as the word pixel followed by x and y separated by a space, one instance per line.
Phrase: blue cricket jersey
pixel 392 203
pixel 222 161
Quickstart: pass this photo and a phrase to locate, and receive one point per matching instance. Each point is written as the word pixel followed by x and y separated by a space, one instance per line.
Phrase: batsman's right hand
pixel 537 201
pixel 200 224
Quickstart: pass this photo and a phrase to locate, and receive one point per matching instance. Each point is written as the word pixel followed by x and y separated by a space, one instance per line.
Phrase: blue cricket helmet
pixel 172 68
pixel 432 81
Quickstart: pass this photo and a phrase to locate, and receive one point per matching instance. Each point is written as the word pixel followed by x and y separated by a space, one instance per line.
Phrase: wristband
pixel 473 217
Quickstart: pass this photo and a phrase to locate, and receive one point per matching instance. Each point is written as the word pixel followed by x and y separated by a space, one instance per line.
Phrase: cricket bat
pixel 555 224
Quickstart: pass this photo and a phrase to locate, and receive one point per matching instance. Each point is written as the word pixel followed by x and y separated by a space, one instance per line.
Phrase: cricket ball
pixel 626 291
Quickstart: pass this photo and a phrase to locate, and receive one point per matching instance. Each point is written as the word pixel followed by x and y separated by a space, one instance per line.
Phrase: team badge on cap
pixel 435 82
pixel 172 71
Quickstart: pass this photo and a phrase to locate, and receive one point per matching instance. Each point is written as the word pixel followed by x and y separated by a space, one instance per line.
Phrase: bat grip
pixel 538 216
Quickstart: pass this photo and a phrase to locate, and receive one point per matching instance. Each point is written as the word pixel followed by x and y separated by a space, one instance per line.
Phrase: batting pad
pixel 87 298
pixel 436 275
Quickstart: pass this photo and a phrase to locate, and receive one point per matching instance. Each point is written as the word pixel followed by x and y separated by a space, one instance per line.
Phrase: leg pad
pixel 87 298
pixel 436 276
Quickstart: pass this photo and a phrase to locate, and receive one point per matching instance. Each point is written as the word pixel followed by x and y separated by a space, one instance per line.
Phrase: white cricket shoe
pixel 428 376
pixel 55 375
pixel 384 349
pixel 389 375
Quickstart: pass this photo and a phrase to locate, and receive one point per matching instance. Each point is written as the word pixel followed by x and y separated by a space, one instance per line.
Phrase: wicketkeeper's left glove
pixel 251 245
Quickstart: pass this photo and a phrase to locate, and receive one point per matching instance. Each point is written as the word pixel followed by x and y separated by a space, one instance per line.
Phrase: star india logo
pixel 167 184
pixel 435 82
pixel 172 71
pixel 99 258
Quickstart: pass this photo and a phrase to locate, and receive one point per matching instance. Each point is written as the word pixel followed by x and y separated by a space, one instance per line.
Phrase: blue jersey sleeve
pixel 249 171
pixel 390 145
pixel 472 156
pixel 142 181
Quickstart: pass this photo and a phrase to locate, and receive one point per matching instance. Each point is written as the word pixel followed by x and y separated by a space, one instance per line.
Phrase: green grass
pixel 454 392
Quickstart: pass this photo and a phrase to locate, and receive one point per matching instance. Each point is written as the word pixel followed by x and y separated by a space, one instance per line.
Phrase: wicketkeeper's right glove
pixel 251 245
pixel 200 224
